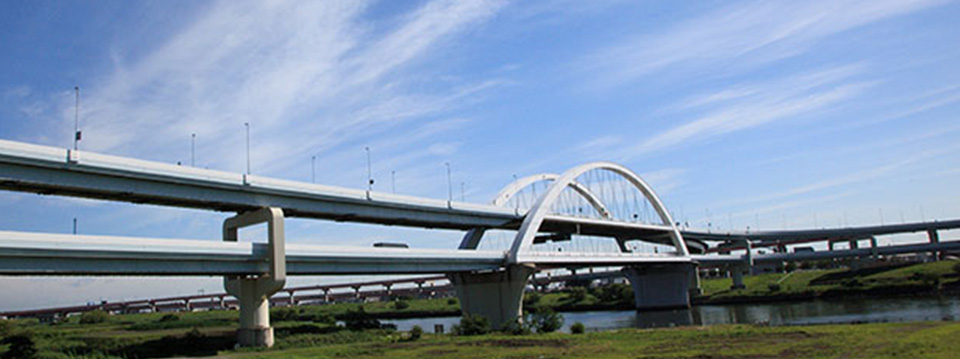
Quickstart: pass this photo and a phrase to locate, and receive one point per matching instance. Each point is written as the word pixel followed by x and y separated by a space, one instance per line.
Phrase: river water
pixel 857 310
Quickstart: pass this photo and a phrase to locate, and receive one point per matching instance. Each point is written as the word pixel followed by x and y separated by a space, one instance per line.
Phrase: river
pixel 857 310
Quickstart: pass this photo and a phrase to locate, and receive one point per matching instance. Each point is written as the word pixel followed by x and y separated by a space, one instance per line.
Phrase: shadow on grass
pixel 192 344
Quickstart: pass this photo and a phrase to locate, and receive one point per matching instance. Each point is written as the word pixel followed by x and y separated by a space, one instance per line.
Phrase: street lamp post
pixel 76 119
pixel 193 145
pixel 369 172
pixel 449 184
pixel 247 126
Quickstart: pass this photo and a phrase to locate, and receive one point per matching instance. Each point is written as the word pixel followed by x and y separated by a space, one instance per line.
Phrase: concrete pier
pixel 253 292
pixel 498 295
pixel 661 286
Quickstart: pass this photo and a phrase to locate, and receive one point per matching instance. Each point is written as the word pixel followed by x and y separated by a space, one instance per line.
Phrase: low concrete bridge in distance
pixel 596 200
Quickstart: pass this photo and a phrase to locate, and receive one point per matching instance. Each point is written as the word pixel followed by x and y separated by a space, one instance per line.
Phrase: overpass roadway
pixel 25 253
pixel 54 171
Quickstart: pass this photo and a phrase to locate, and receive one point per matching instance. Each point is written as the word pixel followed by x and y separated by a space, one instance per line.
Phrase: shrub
pixel 472 325
pixel 577 328
pixel 284 314
pixel 401 305
pixel 773 287
pixel 615 294
pixel 790 267
pixel 851 283
pixel 169 318
pixel 94 317
pixel 516 327
pixel 545 320
pixel 5 327
pixel 577 294
pixel 956 268
pixel 531 298
pixel 360 320
pixel 322 318
pixel 416 332
pixel 452 301
pixel 21 347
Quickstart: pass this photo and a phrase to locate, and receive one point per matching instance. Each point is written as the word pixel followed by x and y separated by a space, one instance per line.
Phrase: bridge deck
pixel 23 253
pixel 53 171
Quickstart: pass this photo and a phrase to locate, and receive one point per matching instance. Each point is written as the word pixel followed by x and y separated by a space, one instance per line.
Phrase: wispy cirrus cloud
pixel 743 34
pixel 743 107
pixel 306 76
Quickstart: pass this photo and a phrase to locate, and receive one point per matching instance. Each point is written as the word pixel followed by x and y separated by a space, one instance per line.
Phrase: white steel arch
pixel 513 188
pixel 472 239
pixel 534 218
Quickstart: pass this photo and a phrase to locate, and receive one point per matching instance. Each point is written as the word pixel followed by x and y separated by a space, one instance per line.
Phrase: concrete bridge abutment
pixel 662 286
pixel 497 296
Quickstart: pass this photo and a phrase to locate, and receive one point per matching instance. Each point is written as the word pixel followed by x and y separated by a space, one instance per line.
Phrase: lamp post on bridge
pixel 247 126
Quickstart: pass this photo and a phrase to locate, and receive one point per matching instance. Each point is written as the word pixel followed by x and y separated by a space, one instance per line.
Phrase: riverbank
pixel 924 279
pixel 114 339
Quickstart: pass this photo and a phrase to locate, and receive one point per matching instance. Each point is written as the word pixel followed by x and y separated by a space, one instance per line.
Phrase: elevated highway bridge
pixel 593 200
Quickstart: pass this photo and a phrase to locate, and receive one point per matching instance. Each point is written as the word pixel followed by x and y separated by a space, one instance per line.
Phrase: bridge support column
pixel 736 273
pixel 498 296
pixel 292 298
pixel 661 286
pixel 934 238
pixel 695 289
pixel 253 292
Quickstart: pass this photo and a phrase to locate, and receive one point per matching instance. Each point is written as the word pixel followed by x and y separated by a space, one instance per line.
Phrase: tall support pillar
pixel 934 238
pixel 419 289
pixel 253 292
pixel 498 295
pixel 695 289
pixel 661 286
pixel 736 273
pixel 292 298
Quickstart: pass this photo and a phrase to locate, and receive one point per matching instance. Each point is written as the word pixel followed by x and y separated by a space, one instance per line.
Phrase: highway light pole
pixel 193 145
pixel 369 171
pixel 449 184
pixel 247 126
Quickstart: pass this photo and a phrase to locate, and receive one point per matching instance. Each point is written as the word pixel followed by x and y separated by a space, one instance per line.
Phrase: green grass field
pixel 311 332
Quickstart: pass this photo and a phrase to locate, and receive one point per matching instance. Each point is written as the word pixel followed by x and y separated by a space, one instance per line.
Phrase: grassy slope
pixel 927 277
pixel 904 340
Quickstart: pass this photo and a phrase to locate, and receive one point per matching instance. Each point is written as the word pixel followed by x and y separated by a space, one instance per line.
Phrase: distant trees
pixel 94 317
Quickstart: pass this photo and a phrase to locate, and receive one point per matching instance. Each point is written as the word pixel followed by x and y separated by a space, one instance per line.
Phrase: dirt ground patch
pixel 523 343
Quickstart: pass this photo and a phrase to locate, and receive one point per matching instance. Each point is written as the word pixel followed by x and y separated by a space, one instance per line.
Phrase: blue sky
pixel 763 114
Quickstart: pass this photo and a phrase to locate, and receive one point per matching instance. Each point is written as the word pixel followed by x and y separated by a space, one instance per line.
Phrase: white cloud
pixel 744 34
pixel 744 107
pixel 306 76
